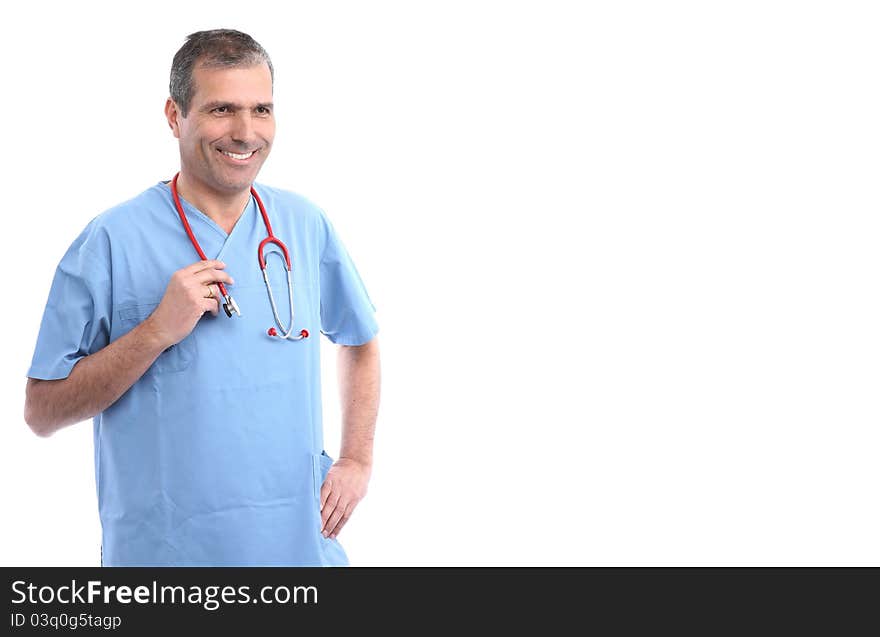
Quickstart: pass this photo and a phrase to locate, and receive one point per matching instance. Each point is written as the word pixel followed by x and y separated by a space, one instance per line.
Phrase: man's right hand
pixel 191 292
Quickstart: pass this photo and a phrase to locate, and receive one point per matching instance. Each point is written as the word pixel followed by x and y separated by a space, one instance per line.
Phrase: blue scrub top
pixel 214 457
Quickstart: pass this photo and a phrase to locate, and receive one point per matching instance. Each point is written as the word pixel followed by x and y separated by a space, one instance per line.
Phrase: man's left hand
pixel 345 486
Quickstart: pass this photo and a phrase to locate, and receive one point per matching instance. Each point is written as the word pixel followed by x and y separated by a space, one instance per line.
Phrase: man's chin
pixel 236 183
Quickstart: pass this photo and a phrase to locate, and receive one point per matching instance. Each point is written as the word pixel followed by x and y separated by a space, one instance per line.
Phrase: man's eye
pixel 263 110
pixel 221 110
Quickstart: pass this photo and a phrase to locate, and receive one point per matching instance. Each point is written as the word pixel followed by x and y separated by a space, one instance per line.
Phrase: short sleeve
pixel 76 321
pixel 347 313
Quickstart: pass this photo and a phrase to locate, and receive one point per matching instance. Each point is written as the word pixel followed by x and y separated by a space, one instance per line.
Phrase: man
pixel 207 429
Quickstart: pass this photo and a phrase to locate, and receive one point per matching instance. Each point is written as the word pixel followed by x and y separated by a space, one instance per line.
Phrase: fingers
pixel 212 294
pixel 210 305
pixel 212 275
pixel 198 266
pixel 203 273
pixel 335 510
pixel 336 518
pixel 345 518
pixel 329 512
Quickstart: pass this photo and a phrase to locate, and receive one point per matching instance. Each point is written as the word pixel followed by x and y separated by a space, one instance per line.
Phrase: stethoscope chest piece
pixel 230 306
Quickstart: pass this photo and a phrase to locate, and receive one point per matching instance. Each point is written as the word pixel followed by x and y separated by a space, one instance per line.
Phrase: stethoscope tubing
pixel 285 333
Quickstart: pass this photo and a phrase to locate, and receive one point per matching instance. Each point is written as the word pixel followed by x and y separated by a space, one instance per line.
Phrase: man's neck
pixel 222 209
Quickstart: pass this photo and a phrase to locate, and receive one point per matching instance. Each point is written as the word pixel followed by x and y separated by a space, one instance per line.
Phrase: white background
pixel 624 256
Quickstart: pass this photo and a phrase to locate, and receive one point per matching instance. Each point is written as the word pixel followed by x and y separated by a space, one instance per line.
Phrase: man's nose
pixel 243 128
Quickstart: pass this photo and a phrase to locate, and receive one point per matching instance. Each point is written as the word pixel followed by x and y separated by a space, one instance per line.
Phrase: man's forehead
pixel 249 83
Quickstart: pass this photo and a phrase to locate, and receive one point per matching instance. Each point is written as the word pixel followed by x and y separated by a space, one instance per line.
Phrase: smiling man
pixel 223 140
pixel 207 425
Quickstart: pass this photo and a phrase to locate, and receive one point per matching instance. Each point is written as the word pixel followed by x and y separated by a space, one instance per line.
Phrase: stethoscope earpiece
pixel 303 334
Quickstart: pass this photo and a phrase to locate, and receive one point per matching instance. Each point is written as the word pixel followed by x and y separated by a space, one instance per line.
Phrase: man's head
pixel 221 105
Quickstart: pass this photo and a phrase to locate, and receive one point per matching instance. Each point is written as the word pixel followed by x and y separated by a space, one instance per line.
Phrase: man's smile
pixel 243 157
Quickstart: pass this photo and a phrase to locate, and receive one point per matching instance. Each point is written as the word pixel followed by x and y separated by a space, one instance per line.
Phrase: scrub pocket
pixel 174 359
pixel 321 464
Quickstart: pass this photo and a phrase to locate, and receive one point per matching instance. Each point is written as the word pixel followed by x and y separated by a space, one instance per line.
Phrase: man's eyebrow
pixel 210 106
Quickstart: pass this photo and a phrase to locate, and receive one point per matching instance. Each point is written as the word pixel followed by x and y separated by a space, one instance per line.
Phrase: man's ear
pixel 172 114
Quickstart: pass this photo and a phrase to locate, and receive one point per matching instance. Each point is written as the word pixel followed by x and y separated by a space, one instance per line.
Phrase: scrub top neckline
pixel 190 208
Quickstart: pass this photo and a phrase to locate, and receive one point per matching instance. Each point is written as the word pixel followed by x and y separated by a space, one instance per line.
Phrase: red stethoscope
pixel 229 304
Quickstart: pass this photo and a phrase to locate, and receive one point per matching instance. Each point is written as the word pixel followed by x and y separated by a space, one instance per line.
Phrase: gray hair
pixel 218 48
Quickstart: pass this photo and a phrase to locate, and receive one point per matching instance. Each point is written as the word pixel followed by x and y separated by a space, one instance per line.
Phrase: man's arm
pixel 359 379
pixel 97 381
pixel 94 383
pixel 346 483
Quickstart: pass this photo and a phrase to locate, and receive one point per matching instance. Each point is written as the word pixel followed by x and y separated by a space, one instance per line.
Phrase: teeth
pixel 235 156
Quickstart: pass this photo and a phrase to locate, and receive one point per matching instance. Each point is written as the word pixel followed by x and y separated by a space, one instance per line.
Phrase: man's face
pixel 230 113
